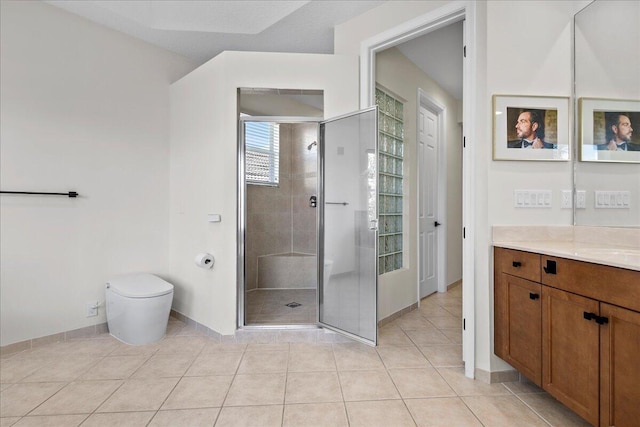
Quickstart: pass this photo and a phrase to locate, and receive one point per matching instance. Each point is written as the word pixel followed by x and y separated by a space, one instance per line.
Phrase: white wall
pixel 510 61
pixel 87 109
pixel 204 164
pixel 396 73
pixel 511 71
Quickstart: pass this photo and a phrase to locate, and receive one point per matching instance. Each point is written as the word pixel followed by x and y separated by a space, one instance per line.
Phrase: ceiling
pixel 200 30
pixel 439 55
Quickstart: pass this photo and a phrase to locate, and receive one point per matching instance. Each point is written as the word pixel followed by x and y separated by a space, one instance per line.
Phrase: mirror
pixel 607 87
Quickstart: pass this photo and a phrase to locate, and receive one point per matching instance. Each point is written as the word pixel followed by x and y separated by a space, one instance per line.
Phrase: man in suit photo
pixel 530 131
pixel 619 132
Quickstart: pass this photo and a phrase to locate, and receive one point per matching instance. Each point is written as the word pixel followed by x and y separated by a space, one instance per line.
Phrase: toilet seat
pixel 139 286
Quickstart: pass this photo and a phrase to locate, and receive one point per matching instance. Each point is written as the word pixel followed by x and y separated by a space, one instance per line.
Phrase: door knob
pixel 436 224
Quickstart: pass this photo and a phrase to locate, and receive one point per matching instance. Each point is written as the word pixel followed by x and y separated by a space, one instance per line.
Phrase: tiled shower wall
pixel 304 176
pixel 279 219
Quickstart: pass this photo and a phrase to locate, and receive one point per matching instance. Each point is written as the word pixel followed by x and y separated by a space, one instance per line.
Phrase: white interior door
pixel 348 216
pixel 428 201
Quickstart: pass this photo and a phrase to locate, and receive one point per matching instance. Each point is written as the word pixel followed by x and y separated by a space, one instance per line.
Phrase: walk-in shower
pixel 307 216
pixel 278 223
pixel 281 222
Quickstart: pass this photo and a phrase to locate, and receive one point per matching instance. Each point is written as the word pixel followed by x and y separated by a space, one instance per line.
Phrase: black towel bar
pixel 69 194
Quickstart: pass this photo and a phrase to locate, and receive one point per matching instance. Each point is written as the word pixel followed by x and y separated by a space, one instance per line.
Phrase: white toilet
pixel 138 307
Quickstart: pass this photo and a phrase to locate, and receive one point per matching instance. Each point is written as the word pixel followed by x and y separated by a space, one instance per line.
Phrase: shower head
pixel 310 146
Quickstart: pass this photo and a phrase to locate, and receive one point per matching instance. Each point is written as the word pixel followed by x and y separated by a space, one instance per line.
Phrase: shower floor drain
pixel 293 304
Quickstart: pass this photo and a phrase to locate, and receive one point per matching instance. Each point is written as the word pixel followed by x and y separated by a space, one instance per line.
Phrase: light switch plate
pixel 612 199
pixel 532 198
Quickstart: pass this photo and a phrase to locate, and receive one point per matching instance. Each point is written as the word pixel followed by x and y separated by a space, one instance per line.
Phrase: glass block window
pixel 262 151
pixel 390 154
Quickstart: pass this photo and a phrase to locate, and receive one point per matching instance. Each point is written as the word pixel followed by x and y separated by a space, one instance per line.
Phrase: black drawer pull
pixel 600 320
pixel 550 268
pixel 533 296
pixel 516 264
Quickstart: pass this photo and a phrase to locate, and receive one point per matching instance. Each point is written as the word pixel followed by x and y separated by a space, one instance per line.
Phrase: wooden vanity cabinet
pixel 612 310
pixel 583 332
pixel 518 311
pixel 619 367
pixel 570 351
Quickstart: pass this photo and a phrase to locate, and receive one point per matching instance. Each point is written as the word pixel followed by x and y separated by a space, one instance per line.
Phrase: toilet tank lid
pixel 139 286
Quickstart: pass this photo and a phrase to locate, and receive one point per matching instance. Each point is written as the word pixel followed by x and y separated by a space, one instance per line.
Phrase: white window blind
pixel 262 151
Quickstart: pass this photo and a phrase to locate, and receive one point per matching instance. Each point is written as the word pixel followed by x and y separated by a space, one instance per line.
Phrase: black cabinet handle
pixel 516 264
pixel 600 320
pixel 533 296
pixel 550 267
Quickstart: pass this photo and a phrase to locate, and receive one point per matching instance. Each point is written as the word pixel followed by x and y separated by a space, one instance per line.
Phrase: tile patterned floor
pixel 268 306
pixel 414 377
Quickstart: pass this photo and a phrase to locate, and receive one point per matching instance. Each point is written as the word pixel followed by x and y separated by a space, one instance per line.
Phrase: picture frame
pixel 602 136
pixel 544 120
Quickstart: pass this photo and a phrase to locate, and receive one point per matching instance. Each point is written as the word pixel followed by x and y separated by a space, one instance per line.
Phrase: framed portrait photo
pixel 606 130
pixel 531 128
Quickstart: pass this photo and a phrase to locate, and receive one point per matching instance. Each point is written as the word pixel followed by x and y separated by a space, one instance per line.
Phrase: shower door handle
pixel 373 224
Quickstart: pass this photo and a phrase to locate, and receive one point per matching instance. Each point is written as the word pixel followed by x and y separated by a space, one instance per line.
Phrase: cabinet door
pixel 619 367
pixel 518 339
pixel 570 351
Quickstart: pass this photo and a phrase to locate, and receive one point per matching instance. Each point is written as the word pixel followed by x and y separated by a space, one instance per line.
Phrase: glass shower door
pixel 348 225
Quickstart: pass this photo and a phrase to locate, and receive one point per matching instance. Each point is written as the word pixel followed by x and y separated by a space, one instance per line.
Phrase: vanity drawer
pixel 517 263
pixel 614 285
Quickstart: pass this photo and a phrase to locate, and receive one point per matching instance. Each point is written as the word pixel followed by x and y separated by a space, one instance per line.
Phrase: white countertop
pixel 574 243
pixel 628 258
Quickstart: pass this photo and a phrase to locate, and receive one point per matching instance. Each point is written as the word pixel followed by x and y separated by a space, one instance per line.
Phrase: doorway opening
pixel 281 216
pixel 278 160
pixel 430 23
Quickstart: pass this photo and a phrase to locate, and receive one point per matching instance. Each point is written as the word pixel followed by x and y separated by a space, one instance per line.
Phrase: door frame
pixel 242 219
pixel 416 27
pixel 429 103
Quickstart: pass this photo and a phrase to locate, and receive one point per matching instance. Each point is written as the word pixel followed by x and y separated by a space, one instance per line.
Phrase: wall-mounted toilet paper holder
pixel 205 260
